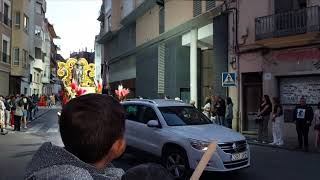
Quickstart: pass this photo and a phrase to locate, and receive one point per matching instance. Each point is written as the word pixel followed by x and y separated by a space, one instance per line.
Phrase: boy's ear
pixel 118 148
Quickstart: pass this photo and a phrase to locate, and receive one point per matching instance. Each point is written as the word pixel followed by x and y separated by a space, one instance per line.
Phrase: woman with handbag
pixel 316 119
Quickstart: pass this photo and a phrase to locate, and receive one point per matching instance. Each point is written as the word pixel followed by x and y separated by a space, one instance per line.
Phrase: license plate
pixel 239 156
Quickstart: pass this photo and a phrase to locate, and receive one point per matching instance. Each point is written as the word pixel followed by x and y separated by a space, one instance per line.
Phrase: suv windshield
pixel 183 116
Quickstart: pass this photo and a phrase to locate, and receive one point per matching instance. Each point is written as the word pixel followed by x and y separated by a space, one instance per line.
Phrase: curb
pixel 282 147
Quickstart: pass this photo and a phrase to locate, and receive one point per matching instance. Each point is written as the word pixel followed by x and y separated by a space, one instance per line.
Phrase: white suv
pixel 179 134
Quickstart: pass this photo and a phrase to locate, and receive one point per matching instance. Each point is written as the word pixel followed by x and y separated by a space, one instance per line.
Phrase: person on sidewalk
pixel 12 109
pixel 2 115
pixel 303 116
pixel 221 111
pixel 92 129
pixel 277 122
pixel 7 111
pixel 229 113
pixel 316 119
pixel 18 114
pixel 207 107
pixel 30 109
pixel 25 108
pixel 264 117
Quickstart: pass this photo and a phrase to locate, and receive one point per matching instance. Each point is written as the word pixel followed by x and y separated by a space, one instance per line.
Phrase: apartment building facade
pixel 31 54
pixel 5 60
pixel 39 47
pixel 20 68
pixel 279 55
pixel 159 48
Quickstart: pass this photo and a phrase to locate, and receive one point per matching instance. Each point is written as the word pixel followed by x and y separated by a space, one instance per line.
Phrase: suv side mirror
pixel 153 123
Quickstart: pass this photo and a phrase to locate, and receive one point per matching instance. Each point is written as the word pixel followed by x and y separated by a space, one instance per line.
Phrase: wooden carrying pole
pixel 204 161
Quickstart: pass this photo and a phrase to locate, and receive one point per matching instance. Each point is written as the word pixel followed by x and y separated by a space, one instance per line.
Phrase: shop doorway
pixel 251 98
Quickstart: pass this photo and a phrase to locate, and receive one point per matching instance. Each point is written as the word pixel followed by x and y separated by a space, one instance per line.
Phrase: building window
pixel 25 58
pixel 109 23
pixel 16 56
pixel 161 20
pixel 126 8
pixel 38 53
pixel 38 77
pixel 210 5
pixel 5 57
pixel 38 8
pixel 26 23
pixel 18 19
pixel 38 31
pixel 34 76
pixel 197 8
pixel 30 79
pixel 6 19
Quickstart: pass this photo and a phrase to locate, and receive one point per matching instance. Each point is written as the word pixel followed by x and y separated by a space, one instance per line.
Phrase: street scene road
pixel 267 163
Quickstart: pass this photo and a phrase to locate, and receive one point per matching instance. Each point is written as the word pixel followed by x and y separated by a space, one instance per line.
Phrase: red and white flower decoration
pixel 122 92
pixel 77 91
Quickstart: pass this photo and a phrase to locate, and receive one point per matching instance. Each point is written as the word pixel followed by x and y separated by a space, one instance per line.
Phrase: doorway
pixel 251 98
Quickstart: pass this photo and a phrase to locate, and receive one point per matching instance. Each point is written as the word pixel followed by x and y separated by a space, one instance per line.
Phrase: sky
pixel 75 22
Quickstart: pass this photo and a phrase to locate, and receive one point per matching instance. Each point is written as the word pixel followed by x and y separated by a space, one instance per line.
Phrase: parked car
pixel 180 134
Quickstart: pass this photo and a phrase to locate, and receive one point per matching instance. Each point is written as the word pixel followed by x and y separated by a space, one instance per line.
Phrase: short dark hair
pixel 148 171
pixel 90 125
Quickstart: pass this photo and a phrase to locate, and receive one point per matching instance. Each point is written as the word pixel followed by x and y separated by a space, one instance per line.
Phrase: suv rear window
pixel 140 113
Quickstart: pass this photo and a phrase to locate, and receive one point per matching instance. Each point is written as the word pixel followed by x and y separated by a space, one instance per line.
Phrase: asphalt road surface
pixel 17 148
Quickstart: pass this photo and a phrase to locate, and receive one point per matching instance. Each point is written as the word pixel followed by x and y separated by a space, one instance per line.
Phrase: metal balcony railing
pixel 288 23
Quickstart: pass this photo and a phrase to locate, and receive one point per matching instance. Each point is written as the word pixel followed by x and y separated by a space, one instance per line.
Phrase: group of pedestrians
pixel 17 111
pixel 303 116
pixel 219 110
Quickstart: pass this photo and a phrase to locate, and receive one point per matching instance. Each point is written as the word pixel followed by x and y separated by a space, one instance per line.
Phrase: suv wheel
pixel 176 162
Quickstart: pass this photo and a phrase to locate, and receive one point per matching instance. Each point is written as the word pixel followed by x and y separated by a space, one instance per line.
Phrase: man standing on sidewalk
pixel 303 115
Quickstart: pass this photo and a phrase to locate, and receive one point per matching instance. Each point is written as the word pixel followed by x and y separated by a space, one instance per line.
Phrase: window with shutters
pixel 161 68
pixel 16 56
pixel 197 8
pixel 210 5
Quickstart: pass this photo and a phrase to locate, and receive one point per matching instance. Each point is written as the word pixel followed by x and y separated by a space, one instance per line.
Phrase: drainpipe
pixel 235 24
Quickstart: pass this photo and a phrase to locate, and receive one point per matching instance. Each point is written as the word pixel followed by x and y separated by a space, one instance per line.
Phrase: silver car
pixel 180 134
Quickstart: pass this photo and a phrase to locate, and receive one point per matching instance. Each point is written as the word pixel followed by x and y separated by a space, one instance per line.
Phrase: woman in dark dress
pixel 265 110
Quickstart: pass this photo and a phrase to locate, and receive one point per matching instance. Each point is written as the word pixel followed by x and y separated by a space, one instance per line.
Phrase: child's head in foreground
pixel 92 128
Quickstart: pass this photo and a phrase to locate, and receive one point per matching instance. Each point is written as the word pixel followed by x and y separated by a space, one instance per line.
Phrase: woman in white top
pixel 316 119
pixel 207 107
pixel 18 114
pixel 2 115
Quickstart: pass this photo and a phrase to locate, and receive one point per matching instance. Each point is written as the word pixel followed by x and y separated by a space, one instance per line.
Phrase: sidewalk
pixel 289 144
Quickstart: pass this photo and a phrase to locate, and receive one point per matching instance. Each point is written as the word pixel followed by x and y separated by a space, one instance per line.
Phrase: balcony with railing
pixel 288 24
pixel 5 20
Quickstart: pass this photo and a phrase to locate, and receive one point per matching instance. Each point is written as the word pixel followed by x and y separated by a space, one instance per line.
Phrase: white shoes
pixel 280 144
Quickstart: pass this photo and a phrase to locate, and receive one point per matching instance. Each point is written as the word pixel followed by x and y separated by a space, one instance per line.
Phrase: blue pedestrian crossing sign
pixel 229 79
